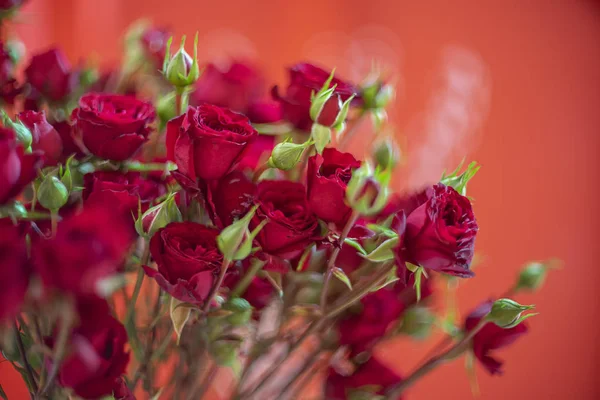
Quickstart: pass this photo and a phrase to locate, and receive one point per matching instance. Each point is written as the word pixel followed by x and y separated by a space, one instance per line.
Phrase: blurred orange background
pixel 514 85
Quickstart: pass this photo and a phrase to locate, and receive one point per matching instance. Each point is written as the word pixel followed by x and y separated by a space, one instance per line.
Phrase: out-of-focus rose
pixel 9 87
pixel 292 226
pixel 265 112
pixel 491 337
pixel 87 247
pixel 188 260
pixel 327 178
pixel 440 231
pixel 17 169
pixel 7 5
pixel 112 127
pixel 208 141
pixel 306 78
pixel 44 137
pixel 121 391
pixel 15 271
pixel 98 358
pixel 50 74
pixel 372 377
pixel 154 42
pixel 125 190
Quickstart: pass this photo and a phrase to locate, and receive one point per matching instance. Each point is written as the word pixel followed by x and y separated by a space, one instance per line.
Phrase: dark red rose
pixel 6 5
pixel 236 86
pixel 188 260
pixel 154 41
pixel 265 112
pixel 112 127
pixel 440 232
pixel 371 377
pixel 17 169
pixel 15 271
pixel 69 147
pixel 304 79
pixel 292 226
pixel 257 152
pixel 125 190
pixel 44 137
pixel 87 247
pixel 121 390
pixel 97 359
pixel 50 73
pixel 232 198
pixel 491 337
pixel 208 141
pixel 327 178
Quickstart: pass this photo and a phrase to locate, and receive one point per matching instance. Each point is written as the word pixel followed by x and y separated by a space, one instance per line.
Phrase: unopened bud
pixel 52 193
pixel 506 313
pixel 417 322
pixel 241 311
pixel 286 155
pixel 319 99
pixel 386 153
pixel 340 119
pixel 235 241
pixel 22 133
pixel 364 193
pixel 158 217
pixel 181 70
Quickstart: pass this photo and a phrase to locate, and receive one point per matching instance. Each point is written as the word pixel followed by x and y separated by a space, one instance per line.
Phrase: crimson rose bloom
pixel 44 137
pixel 304 79
pixel 15 271
pixel 188 260
pixel 87 247
pixel 440 232
pixel 98 358
pixel 126 190
pixel 232 198
pixel 372 376
pixel 292 226
pixel 17 169
pixel 113 127
pixel 491 337
pixel 50 74
pixel 69 147
pixel 327 178
pixel 208 141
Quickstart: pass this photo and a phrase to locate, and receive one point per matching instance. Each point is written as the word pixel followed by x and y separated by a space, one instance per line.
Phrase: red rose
pixel 44 137
pixel 154 42
pixel 304 79
pixel 208 141
pixel 17 169
pixel 98 359
pixel 232 198
pixel 188 260
pixel 126 190
pixel 6 5
pixel 15 271
pixel 370 377
pixel 265 112
pixel 292 226
pixel 113 127
pixel 50 74
pixel 87 247
pixel 491 337
pixel 440 232
pixel 257 152
pixel 327 178
pixel 69 147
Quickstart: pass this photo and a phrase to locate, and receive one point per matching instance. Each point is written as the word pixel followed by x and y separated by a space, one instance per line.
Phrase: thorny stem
pixel 224 266
pixel 24 360
pixel 129 316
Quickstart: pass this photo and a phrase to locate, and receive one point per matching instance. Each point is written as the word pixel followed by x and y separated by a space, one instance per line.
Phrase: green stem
pixel 224 266
pixel 129 315
pixel 147 167
pixel 336 251
pixel 54 222
pixel 60 349
pixel 24 360
pixel 395 391
pixel 243 284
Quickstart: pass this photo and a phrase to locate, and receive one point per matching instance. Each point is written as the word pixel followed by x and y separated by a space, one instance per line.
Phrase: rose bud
pixel 188 260
pixel 52 193
pixel 97 357
pixel 305 79
pixel 127 191
pixel 87 248
pixel 533 275
pixel 368 379
pixel 291 225
pixel 386 153
pixel 158 217
pixel 286 155
pixel 112 127
pixel 50 74
pixel 22 133
pixel 181 70
pixel 18 169
pixel 364 193
pixel 440 231
pixel 491 337
pixel 241 311
pixel 237 86
pixel 208 141
pixel 15 272
pixel 327 178
pixel 44 137
pixel 506 313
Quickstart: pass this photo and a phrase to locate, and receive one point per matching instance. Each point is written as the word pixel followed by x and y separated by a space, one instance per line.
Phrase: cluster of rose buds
pixel 184 220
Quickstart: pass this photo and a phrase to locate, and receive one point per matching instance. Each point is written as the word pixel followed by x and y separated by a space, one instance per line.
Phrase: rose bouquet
pixel 164 221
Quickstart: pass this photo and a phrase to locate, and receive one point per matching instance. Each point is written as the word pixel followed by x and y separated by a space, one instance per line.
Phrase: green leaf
pixel 356 245
pixel 459 181
pixel 382 230
pixel 305 256
pixel 338 124
pixel 519 320
pixel 321 136
pixel 385 251
pixel 419 273
pixel 180 313
pixel 341 275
